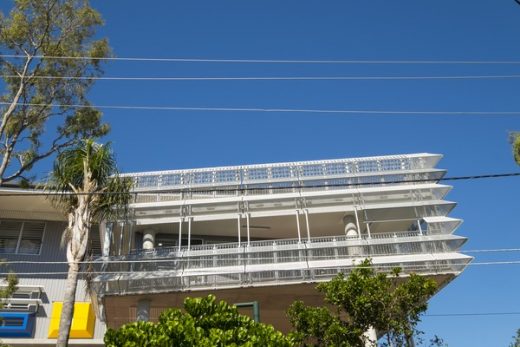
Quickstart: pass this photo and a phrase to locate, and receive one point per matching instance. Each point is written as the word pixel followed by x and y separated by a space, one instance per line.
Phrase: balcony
pixel 281 261
pixel 282 178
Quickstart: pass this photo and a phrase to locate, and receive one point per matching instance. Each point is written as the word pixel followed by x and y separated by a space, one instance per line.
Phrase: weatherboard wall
pixel 53 284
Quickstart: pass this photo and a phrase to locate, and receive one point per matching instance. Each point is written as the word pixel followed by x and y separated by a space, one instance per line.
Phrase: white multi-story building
pixel 267 233
pixel 260 236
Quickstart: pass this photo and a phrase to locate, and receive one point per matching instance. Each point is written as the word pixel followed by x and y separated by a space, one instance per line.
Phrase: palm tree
pixel 86 187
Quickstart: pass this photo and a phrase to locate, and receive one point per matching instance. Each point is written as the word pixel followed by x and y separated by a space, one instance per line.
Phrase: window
pixel 21 237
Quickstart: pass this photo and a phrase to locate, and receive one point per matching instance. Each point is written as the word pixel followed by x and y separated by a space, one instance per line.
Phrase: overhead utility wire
pixel 186 260
pixel 194 189
pixel 274 61
pixel 424 315
pixel 471 314
pixel 279 110
pixel 186 252
pixel 272 78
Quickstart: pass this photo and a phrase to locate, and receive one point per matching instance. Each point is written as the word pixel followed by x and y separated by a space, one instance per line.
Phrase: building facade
pixel 30 237
pixel 260 236
pixel 268 233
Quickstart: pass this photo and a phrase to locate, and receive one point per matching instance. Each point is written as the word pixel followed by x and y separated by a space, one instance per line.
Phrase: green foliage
pixel 516 340
pixel 107 194
pixel 50 28
pixel 360 301
pixel 204 323
pixel 514 138
pixel 12 281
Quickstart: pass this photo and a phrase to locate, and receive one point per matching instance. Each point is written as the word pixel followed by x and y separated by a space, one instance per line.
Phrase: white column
pixel 106 232
pixel 143 310
pixel 149 239
pixel 298 226
pixel 351 229
pixel 121 234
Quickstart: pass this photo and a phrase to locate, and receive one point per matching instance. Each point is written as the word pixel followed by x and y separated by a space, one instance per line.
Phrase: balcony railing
pixel 251 175
pixel 272 261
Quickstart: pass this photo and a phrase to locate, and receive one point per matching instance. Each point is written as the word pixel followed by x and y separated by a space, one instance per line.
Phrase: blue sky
pixel 335 30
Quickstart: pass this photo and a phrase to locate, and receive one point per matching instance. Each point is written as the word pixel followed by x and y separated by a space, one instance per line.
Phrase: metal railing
pixel 282 173
pixel 262 262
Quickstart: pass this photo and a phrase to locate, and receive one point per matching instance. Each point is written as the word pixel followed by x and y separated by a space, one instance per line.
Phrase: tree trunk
pixel 67 311
pixel 79 225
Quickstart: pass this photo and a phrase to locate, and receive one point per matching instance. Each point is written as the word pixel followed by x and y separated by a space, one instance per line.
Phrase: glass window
pixel 21 237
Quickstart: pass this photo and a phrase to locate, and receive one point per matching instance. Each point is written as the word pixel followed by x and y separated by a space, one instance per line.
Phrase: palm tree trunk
pixel 76 248
pixel 67 310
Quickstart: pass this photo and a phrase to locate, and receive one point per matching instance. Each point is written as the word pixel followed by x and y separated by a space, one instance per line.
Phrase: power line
pixel 433 268
pixel 491 250
pixel 471 314
pixel 277 61
pixel 275 110
pixel 244 189
pixel 131 318
pixel 271 78
pixel 190 258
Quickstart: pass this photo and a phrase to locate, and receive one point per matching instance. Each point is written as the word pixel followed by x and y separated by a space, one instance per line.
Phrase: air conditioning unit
pixel 24 299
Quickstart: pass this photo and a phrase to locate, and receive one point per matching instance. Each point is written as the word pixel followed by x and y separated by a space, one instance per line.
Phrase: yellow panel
pixel 83 320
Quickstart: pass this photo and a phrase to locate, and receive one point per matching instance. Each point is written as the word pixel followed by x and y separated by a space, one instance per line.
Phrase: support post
pixel 298 226
pixel 149 239
pixel 419 226
pixel 307 225
pixel 238 229
pixel 248 232
pixel 357 222
pixel 180 234
pixel 122 230
pixel 189 233
pixel 106 230
pixel 130 236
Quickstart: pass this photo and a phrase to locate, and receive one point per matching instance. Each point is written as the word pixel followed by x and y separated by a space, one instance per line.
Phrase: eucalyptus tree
pixel 86 186
pixel 514 139
pixel 48 61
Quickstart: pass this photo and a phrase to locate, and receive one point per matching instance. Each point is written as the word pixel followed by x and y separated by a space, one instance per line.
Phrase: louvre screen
pixel 21 237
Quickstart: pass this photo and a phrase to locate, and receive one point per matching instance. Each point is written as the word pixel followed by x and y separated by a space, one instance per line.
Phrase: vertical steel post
pixel 248 232
pixel 180 233
pixel 307 225
pixel 298 226
pixel 238 229
pixel 357 222
pixel 189 233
